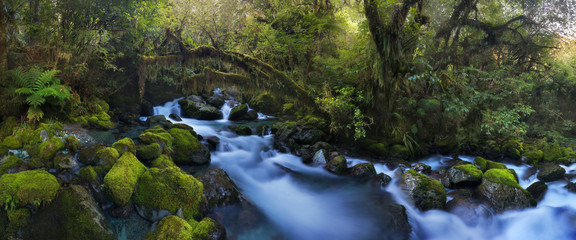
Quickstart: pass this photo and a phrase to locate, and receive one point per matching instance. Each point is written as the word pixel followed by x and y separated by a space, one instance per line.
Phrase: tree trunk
pixel 3 43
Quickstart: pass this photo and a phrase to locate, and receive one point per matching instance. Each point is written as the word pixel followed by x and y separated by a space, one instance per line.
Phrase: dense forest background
pixel 402 76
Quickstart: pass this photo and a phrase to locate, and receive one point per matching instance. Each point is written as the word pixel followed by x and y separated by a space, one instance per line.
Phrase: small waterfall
pixel 227 108
pixel 168 108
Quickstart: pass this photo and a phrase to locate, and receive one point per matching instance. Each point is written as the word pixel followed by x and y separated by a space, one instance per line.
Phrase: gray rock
pixel 175 117
pixel 426 192
pixel 537 190
pixel 337 165
pixel 319 158
pixel 219 190
pixel 200 111
pixel 158 120
pixel 363 171
pixel 65 162
pixel 550 172
pixel 465 175
pixel 501 191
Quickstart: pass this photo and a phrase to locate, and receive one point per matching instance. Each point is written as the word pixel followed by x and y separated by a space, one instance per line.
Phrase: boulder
pixel 173 227
pixel 125 145
pixel 319 158
pixel 148 152
pixel 485 165
pixel 216 100
pixel 219 190
pixel 213 142
pixel 106 157
pixel 550 172
pixel 65 162
pixel 47 150
pixel 422 168
pixel 10 164
pixel 73 144
pixel 533 157
pixel 158 120
pixel 465 175
pixel 12 142
pixel 156 135
pixel 121 180
pixel 175 117
pixel 237 113
pixel 163 161
pixel 169 189
pixel 200 111
pixel 309 136
pixel 73 215
pixel 362 171
pixel 34 187
pixel 337 165
pixel 187 149
pixel 87 155
pixel 426 192
pixel 241 130
pixel 537 190
pixel 501 191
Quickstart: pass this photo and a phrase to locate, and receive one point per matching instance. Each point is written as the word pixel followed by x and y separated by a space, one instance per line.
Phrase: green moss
pixel 125 145
pixel 485 165
pixel 106 157
pixel 88 174
pixel 171 227
pixel 238 111
pixel 73 144
pixel 121 180
pixel 8 126
pixel 470 170
pixel 80 120
pixel 12 142
pixel 203 229
pixel 426 192
pixel 48 149
pixel 4 151
pixel 495 165
pixel 187 148
pixel 503 176
pixel 400 151
pixel 163 161
pixel 185 127
pixel 552 152
pixel 148 152
pixel 18 218
pixel 378 149
pixel 10 163
pixel 33 187
pixel 534 157
pixel 170 189
pixel 164 139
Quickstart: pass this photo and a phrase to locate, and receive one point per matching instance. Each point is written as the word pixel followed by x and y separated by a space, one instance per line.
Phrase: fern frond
pixel 47 92
pixel 24 91
pixel 43 79
pixel 35 100
pixel 34 114
pixel 23 79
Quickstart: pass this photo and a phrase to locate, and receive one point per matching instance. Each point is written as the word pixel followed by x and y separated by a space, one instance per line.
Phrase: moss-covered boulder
pixel 187 149
pixel 238 112
pixel 100 120
pixel 73 144
pixel 485 165
pixel 200 111
pixel 169 189
pixel 159 136
pixel 267 103
pixel 553 152
pixel 172 227
pixel 121 180
pixel 426 192
pixel 48 149
pixel 550 172
pixel 501 191
pixel 106 157
pixel 158 120
pixel 12 142
pixel 216 100
pixel 465 175
pixel 34 187
pixel 148 152
pixel 65 162
pixel 533 157
pixel 513 149
pixel 163 161
pixel 399 151
pixel 10 164
pixel 241 130
pixel 219 190
pixel 18 218
pixel 125 145
pixel 337 165
pixel 73 215
pixel 8 126
pixel 362 171
pixel 88 175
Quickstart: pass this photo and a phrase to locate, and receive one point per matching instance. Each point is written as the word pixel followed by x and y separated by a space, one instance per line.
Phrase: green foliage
pixel 39 87
pixel 344 111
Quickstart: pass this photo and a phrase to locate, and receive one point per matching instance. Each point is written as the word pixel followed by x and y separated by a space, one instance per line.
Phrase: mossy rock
pixel 169 189
pixel 502 192
pixel 187 128
pixel 553 152
pixel 241 130
pixel 513 149
pixel 18 218
pixel 158 120
pixel 148 152
pixel 65 162
pixel 125 145
pixel 34 187
pixel 121 180
pixel 164 139
pixel 48 149
pixel 426 192
pixel 362 171
pixel 465 175
pixel 73 215
pixel 88 175
pixel 173 227
pixel 238 112
pixel 533 157
pixel 206 229
pixel 100 121
pixel 187 149
pixel 106 156
pixel 163 161
pixel 4 151
pixel 73 144
pixel 10 163
pixel 485 165
pixel 200 111
pixel 267 103
pixel 337 165
pixel 550 172
pixel 399 151
pixel 8 126
pixel 379 149
pixel 12 142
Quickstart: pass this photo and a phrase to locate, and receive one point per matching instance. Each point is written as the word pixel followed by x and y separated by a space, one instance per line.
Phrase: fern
pixel 40 87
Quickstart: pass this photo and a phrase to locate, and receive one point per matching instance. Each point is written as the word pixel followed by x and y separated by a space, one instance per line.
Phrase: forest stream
pixel 300 201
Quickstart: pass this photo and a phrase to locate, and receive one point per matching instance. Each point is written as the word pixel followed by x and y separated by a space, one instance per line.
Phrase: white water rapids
pixel 310 203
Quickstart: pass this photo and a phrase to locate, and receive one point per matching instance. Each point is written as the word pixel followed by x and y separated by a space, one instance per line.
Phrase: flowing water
pixel 304 202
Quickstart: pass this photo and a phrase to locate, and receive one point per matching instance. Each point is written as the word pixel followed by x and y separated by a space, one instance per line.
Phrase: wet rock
pixel 308 136
pixel 122 212
pixel 65 162
pixel 337 165
pixel 187 149
pixel 219 190
pixel 550 172
pixel 362 171
pixel 465 175
pixel 485 165
pixel 537 190
pixel 383 179
pixel 319 158
pixel 241 130
pixel 200 111
pixel 175 117
pixel 216 100
pixel 422 168
pixel 87 155
pixel 73 215
pixel 213 142
pixel 158 120
pixel 426 192
pixel 466 207
pixel 237 113
pixel 501 191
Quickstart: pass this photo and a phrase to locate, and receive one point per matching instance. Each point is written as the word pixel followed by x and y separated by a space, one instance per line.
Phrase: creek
pixel 299 201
